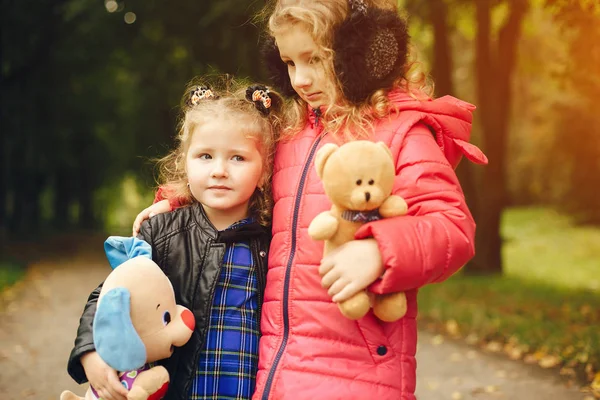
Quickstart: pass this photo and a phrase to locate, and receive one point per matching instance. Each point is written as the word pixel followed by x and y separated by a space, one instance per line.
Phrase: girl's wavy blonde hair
pixel 229 105
pixel 321 18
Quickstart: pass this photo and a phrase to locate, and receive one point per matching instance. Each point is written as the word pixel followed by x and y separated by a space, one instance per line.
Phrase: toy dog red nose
pixel 188 319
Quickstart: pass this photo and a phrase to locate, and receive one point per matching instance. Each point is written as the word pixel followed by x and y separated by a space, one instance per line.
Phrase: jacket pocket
pixel 375 339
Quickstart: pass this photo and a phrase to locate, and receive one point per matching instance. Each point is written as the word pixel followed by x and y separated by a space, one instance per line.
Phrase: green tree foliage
pixel 577 140
pixel 90 91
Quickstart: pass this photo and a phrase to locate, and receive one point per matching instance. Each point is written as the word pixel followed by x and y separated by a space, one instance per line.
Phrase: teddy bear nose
pixel 188 319
pixel 367 196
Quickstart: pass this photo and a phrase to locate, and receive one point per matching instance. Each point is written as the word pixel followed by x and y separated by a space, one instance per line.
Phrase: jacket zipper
pixel 286 285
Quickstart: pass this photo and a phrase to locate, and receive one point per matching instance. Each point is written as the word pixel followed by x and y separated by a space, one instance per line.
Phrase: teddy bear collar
pixel 361 216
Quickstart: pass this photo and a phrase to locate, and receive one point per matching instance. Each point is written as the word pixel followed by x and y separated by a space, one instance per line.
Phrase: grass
pixel 542 246
pixel 548 301
pixel 11 271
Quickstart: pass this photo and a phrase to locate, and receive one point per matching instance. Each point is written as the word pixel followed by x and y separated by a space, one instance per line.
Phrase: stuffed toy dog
pixel 358 178
pixel 137 321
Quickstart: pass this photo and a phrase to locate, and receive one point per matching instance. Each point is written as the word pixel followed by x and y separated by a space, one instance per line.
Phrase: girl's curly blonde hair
pixel 341 117
pixel 227 105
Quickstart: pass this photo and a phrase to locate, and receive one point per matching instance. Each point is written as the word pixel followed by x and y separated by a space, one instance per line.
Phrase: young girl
pixel 345 63
pixel 213 251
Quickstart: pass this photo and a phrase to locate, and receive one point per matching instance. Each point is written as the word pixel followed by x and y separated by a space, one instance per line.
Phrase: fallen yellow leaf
pixel 514 352
pixel 491 389
pixel 595 385
pixel 472 339
pixel 452 328
pixel 494 347
pixel 585 309
pixel 530 359
pixel 437 340
pixel 583 357
pixel 549 361
pixel 589 371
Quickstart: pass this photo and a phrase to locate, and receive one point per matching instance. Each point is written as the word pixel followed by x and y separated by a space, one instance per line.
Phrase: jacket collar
pixel 240 232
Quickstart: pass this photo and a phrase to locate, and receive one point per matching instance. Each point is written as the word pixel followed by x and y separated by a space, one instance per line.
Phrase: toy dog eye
pixel 166 318
pixel 371 182
pixel 359 182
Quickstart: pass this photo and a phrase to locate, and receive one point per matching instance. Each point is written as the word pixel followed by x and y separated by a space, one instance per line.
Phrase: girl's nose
pixel 302 78
pixel 219 170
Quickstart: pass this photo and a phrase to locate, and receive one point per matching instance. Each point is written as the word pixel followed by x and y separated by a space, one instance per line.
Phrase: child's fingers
pixel 337 287
pixel 348 291
pixel 115 388
pixel 329 278
pixel 326 265
pixel 104 393
pixel 139 219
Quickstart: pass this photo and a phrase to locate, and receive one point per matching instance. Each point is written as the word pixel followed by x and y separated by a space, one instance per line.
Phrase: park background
pixel 89 95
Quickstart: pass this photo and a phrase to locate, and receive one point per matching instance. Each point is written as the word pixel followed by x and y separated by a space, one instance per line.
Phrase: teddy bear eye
pixel 371 182
pixel 166 318
pixel 359 182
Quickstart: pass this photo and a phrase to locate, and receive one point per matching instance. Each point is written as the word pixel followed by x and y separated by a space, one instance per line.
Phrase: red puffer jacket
pixel 308 350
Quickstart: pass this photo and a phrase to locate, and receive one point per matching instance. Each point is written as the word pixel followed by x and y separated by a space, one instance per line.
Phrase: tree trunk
pixel 442 54
pixel 443 66
pixel 85 193
pixel 62 198
pixel 495 61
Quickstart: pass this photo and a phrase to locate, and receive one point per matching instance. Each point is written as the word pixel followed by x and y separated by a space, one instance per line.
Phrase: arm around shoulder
pixel 436 237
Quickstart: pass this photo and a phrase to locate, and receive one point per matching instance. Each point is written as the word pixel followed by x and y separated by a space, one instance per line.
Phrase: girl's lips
pixel 313 96
pixel 219 188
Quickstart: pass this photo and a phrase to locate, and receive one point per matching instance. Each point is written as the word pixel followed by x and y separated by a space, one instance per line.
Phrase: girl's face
pixel 224 166
pixel 300 53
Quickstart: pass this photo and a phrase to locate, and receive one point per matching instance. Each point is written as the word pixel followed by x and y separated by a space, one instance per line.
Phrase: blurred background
pixel 89 95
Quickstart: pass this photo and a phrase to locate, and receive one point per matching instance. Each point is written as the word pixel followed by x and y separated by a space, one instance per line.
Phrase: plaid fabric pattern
pixel 227 366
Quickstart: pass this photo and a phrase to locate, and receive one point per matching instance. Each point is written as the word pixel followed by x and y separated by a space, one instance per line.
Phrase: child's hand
pixel 350 268
pixel 103 378
pixel 160 207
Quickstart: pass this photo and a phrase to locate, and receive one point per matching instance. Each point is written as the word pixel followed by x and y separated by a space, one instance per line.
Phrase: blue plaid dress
pixel 228 364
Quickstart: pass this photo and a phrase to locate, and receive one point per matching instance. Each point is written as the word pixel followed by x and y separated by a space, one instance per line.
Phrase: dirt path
pixel 450 370
pixel 39 318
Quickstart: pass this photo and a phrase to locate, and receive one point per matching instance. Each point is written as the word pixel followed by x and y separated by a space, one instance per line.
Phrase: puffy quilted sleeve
pixel 436 237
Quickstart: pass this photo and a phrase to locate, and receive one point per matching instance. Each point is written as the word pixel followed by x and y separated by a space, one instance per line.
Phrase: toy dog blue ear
pixel 115 338
pixel 119 249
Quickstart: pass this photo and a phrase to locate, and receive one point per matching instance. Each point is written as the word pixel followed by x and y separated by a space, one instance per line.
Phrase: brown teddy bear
pixel 358 178
pixel 138 322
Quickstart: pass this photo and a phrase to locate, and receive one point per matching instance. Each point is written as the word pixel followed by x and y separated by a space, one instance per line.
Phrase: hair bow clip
pixel 259 95
pixel 200 93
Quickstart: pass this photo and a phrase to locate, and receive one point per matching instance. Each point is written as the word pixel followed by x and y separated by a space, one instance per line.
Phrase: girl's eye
pixel 315 60
pixel 204 156
pixel 166 318
pixel 237 158
pixel 289 63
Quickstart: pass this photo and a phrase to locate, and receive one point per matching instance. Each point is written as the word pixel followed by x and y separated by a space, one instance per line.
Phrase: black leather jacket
pixel 190 251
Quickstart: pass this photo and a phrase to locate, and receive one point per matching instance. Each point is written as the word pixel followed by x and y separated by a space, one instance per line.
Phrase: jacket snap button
pixel 262 253
pixel 382 350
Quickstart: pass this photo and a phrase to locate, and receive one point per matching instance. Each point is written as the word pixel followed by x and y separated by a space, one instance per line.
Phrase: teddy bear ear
pixel 322 156
pixel 387 149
